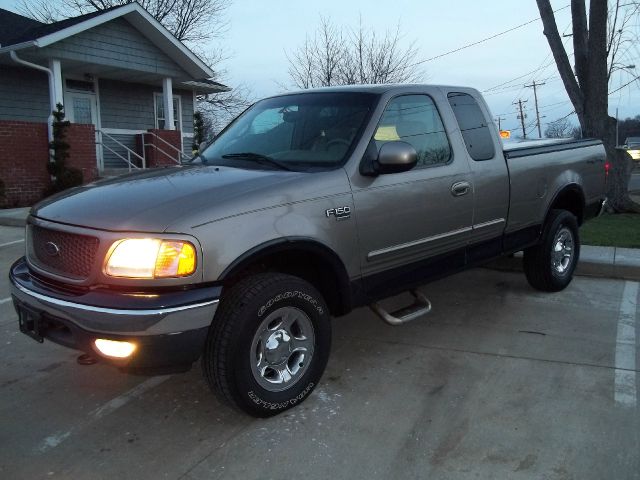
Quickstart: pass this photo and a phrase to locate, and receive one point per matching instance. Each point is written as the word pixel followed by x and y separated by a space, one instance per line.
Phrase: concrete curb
pixel 603 262
pixel 14 217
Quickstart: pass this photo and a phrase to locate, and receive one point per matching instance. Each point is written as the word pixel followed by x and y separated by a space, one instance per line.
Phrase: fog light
pixel 114 348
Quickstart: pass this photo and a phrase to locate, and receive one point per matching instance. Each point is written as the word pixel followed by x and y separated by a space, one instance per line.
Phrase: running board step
pixel 421 306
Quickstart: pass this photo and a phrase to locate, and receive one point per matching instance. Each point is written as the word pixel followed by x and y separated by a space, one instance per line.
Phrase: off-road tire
pixel 226 359
pixel 538 259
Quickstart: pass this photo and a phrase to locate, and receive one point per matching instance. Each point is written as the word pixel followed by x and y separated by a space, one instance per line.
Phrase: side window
pixel 473 125
pixel 414 119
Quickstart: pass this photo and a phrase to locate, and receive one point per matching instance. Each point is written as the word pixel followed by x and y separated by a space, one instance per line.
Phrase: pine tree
pixel 63 177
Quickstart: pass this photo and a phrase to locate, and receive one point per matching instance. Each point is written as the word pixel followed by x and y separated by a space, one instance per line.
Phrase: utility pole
pixel 499 120
pixel 535 96
pixel 521 117
pixel 617 135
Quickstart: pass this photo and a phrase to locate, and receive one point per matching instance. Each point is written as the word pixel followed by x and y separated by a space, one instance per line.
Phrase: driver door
pixel 410 222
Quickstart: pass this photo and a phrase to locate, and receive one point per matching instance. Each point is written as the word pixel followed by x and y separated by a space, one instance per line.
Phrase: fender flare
pixel 300 244
pixel 566 188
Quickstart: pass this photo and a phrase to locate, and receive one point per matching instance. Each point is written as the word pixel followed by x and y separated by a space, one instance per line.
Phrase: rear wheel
pixel 269 343
pixel 549 266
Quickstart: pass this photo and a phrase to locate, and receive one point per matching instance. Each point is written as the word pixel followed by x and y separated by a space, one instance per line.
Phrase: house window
pixel 177 111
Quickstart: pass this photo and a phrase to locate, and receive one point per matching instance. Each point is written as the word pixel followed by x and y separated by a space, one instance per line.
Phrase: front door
pixel 83 108
pixel 405 219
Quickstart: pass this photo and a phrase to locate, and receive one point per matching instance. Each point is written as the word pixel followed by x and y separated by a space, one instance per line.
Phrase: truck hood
pixel 154 200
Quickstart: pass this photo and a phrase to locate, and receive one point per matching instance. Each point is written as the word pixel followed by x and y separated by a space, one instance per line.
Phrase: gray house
pixel 118 70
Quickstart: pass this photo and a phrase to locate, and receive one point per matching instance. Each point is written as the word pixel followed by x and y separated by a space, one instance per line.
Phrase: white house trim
pixel 167 101
pixel 56 71
pixel 141 19
pixel 122 131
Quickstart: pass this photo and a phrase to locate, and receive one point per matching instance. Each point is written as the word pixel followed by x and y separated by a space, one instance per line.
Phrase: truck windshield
pixel 293 132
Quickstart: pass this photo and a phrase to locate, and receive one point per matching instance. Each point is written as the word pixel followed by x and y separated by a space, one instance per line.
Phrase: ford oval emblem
pixel 52 249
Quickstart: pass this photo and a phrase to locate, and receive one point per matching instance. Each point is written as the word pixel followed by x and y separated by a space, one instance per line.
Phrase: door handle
pixel 460 188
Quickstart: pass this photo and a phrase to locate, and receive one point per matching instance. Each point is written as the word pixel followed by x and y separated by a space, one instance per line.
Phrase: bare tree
pixel 334 56
pixel 599 42
pixel 219 109
pixel 190 21
pixel 561 128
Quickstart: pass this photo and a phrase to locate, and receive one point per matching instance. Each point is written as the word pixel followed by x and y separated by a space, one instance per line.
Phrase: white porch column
pixel 55 84
pixel 167 101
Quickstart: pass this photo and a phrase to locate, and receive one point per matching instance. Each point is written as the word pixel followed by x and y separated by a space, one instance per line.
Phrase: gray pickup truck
pixel 305 207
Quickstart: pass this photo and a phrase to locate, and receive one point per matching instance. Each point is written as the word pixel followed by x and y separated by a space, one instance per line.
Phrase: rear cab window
pixel 473 126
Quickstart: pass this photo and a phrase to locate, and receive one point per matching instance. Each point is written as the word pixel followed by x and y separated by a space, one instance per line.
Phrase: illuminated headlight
pixel 151 258
pixel 635 154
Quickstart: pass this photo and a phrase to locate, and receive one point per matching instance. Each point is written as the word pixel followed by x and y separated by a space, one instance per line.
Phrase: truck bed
pixel 538 172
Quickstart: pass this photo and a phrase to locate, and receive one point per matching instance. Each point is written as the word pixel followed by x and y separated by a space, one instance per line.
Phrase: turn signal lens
pixel 175 259
pixel 114 348
pixel 151 258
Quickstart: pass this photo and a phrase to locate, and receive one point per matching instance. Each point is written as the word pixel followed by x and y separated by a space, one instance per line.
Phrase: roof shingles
pixel 16 28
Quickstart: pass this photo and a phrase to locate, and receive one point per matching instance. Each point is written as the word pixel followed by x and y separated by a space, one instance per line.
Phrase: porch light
pixel 151 258
pixel 115 348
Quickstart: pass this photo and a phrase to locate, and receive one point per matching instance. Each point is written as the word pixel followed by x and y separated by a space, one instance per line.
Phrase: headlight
pixel 151 258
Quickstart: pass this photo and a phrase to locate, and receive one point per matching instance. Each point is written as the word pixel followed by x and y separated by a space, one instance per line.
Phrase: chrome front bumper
pixel 171 327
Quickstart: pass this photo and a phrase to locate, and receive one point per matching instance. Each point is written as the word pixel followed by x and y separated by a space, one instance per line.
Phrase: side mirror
pixel 396 157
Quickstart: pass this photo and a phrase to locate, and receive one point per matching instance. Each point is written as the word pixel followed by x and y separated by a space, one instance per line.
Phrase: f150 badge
pixel 340 213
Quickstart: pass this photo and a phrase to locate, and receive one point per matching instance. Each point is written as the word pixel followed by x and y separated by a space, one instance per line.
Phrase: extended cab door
pixel 422 214
pixel 489 173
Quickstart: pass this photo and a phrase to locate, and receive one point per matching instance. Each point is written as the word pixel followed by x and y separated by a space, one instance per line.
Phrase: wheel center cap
pixel 277 347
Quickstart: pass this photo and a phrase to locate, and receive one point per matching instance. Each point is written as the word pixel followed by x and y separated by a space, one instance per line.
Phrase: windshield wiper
pixel 259 158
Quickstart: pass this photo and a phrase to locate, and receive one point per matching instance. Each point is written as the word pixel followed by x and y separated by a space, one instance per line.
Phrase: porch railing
pixel 133 159
pixel 125 154
pixel 177 155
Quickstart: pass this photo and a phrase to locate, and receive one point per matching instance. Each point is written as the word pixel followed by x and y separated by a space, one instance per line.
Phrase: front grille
pixel 66 254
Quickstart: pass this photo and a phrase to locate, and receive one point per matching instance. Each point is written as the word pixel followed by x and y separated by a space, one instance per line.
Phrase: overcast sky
pixel 260 32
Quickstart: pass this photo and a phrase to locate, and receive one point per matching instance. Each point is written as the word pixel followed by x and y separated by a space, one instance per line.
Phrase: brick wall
pixel 82 150
pixel 24 153
pixel 155 156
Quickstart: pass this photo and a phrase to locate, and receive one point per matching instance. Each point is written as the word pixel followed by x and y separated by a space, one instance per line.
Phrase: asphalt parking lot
pixel 499 382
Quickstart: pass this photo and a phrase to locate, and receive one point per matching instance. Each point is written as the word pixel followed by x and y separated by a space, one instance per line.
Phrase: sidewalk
pixel 13 217
pixel 607 262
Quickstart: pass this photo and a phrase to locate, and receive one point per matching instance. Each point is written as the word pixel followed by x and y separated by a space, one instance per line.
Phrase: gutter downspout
pixel 52 90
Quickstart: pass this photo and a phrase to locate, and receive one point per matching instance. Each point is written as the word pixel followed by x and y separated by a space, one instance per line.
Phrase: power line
pixel 519 78
pixel 625 85
pixel 469 45
pixel 542 68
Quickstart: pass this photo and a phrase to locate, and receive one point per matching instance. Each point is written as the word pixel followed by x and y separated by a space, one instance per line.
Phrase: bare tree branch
pixel 335 56
pixel 191 21
pixel 580 39
pixel 560 55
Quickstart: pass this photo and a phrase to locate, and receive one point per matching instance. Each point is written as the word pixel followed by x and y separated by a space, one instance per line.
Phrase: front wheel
pixel 269 343
pixel 549 266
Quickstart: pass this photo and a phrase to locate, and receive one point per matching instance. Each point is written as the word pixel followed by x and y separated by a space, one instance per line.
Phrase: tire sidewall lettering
pixel 280 405
pixel 288 295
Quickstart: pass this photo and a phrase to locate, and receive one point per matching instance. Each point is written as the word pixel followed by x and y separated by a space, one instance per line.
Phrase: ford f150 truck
pixel 305 207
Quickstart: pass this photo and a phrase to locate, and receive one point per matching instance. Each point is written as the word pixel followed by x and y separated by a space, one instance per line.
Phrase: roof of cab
pixel 376 89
